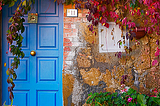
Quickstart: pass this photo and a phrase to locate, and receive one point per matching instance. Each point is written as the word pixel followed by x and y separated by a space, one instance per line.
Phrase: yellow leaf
pixel 100 18
pixel 17 8
pixel 24 3
pixel 138 8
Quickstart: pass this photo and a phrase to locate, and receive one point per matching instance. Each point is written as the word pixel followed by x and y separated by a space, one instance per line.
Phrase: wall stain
pixel 68 82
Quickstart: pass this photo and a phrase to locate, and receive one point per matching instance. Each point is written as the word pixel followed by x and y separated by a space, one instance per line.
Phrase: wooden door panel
pixel 39 77
pixel 22 71
pixel 47 8
pixel 47 36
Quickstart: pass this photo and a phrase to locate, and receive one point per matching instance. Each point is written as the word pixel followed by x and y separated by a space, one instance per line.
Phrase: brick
pixel 64 62
pixel 70 35
pixel 64 58
pixel 73 26
pixel 67 25
pixel 85 20
pixel 85 11
pixel 66 48
pixel 65 53
pixel 68 58
pixel 65 40
pixel 67 44
pixel 75 35
pixel 79 14
pixel 66 19
pixel 68 39
pixel 76 19
pixel 64 67
pixel 84 15
pixel 67 30
pixel 75 30
pixel 67 34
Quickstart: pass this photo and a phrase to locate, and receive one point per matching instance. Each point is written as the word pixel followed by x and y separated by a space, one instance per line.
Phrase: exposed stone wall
pixel 86 70
pixel 71 86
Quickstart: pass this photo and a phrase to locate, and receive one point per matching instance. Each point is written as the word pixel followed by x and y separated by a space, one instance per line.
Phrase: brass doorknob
pixel 33 53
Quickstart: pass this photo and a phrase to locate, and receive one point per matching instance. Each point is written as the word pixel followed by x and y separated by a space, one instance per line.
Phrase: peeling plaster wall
pixel 86 70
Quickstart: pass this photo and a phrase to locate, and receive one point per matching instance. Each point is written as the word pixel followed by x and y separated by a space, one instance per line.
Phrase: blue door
pixel 39 77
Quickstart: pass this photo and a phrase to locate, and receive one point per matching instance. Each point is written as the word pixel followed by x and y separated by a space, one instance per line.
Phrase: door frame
pixel 1 55
pixel 1 58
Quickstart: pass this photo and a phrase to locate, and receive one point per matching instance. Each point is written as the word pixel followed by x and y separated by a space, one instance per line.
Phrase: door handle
pixel 33 53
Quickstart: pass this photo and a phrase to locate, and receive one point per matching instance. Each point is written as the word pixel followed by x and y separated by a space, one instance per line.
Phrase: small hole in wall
pixel 100 85
pixel 92 82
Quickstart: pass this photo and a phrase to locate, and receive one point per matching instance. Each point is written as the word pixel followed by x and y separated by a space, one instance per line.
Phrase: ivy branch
pixel 14 35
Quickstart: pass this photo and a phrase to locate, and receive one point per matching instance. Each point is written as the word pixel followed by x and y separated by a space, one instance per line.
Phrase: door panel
pixel 24 66
pixel 39 77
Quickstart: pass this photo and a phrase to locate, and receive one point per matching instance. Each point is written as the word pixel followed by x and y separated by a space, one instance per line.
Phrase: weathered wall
pixel 86 70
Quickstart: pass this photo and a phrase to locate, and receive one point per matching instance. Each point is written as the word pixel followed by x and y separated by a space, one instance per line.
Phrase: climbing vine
pixel 146 12
pixel 128 14
pixel 14 35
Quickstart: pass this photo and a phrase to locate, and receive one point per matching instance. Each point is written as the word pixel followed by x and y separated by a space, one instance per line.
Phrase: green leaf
pixel 30 2
pixel 11 20
pixel 4 104
pixel 15 59
pixel 22 54
pixel 20 38
pixel 156 100
pixel 143 105
pixel 9 31
pixel 22 29
pixel 14 76
pixel 159 94
pixel 11 102
pixel 7 72
pixel 141 99
pixel 11 4
pixel 133 96
pixel 23 20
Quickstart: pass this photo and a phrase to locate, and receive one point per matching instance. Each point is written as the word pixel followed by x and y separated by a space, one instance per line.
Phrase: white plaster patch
pixel 69 62
pixel 77 92
pixel 72 53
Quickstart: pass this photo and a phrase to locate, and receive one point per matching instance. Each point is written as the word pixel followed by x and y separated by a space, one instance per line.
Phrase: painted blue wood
pixel 39 80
